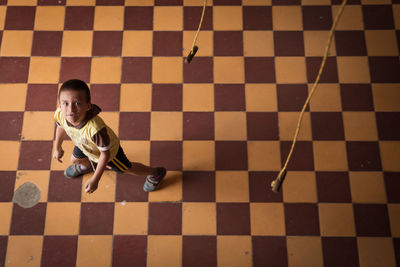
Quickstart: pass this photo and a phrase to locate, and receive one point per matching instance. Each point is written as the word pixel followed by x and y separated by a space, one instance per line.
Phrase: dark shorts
pixel 119 164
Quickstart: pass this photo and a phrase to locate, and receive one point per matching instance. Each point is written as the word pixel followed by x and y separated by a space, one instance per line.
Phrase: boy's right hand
pixel 58 154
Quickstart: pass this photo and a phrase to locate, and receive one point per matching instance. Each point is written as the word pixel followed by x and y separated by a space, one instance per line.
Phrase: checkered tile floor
pixel 222 125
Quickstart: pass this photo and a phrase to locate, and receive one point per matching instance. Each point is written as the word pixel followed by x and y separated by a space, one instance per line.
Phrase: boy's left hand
pixel 91 186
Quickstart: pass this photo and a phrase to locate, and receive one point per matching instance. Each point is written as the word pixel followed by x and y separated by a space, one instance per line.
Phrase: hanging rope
pixel 194 48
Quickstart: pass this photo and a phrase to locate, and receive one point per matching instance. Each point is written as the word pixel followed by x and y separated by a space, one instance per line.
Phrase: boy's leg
pixel 140 169
pixel 80 166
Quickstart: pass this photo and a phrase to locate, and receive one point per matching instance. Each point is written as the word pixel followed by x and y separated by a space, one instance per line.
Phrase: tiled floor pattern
pixel 221 125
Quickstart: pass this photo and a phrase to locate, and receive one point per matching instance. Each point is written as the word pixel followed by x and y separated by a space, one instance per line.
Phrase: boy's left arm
pixel 92 183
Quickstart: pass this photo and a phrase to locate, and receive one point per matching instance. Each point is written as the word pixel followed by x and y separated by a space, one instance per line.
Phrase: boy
pixel 95 143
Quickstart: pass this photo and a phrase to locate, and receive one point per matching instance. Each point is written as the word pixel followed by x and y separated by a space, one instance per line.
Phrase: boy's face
pixel 74 106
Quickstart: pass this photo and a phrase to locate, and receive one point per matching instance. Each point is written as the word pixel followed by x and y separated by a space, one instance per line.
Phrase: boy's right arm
pixel 58 151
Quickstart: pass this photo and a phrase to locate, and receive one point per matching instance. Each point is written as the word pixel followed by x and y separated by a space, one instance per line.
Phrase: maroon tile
pixel 165 218
pixel 260 187
pixel 301 219
pixel 231 155
pixel 35 155
pixel 333 187
pixel 3 2
pixel 79 18
pixel 257 18
pixel 51 2
pixel 378 17
pixel 317 17
pixel 75 68
pixel 200 70
pixel 3 248
pixel 327 126
pixel 229 97
pixel 388 125
pixel 302 157
pixel 167 154
pixel 396 245
pixel 107 43
pixel 198 125
pixel 198 186
pixel 7 186
pixel 291 97
pixel 392 184
pixel 107 96
pixel 20 18
pixel 262 126
pixel 356 97
pixel 129 251
pixel 167 97
pixel 41 97
pixel 138 18
pixel 168 3
pixel 11 125
pixel 226 2
pixel 397 35
pixel 173 47
pixel 14 69
pixel 233 219
pixel 384 69
pixel 136 70
pixel 259 69
pixel 199 251
pixel 29 221
pixel 134 125
pixel 192 15
pixel 62 189
pixel 350 43
pixel 363 156
pixel 109 2
pixel 340 251
pixel 371 220
pixel 228 43
pixel 97 219
pixel 286 2
pixel 269 251
pixel 130 188
pixel 59 251
pixel 329 74
pixel 289 43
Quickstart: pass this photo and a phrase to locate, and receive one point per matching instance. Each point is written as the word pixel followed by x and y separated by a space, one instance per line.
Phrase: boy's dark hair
pixel 75 85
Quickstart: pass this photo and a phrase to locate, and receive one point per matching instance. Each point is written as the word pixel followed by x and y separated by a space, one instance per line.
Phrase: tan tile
pixel 227 18
pixel 234 251
pixel 16 43
pixel 16 92
pixel 304 251
pixel 228 70
pixel 396 15
pixel 111 119
pixel 49 18
pixel 381 43
pixel 264 155
pixel 166 126
pixel 199 218
pixel 68 147
pixel 24 251
pixel 39 178
pixel 261 97
pixel 168 18
pixel 360 126
pixel 287 18
pixel 108 18
pixel 105 191
pixel 131 218
pixel 290 70
pixel 167 70
pixel 375 2
pixel 2 16
pixel 106 70
pixel 353 70
pixel 198 155
pixel 288 125
pixel 198 97
pixel 230 126
pixel 137 43
pixel 164 249
pixel 351 19
pixel 300 187
pixel 267 219
pixel 258 44
pixel 81 2
pixel 336 219
pixel 394 216
pixel 390 155
pixel 204 42
pixel 386 97
pixel 62 218
pixel 315 2
pixel 137 151
pixel 5 213
pixel 102 244
pixel 77 44
pixel 196 2
pixel 315 43
pixel 326 97
pixel 44 70
pixel 22 2
pixel 9 155
pixel 232 186
pixel 38 120
pixel 139 2
pixel 135 97
pixel 376 251
pixel 367 187
pixel 330 156
pixel 170 189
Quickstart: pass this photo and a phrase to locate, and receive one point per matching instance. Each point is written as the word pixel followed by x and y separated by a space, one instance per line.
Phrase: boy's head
pixel 74 97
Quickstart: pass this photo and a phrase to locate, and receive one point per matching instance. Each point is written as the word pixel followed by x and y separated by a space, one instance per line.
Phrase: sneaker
pixel 153 181
pixel 75 170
